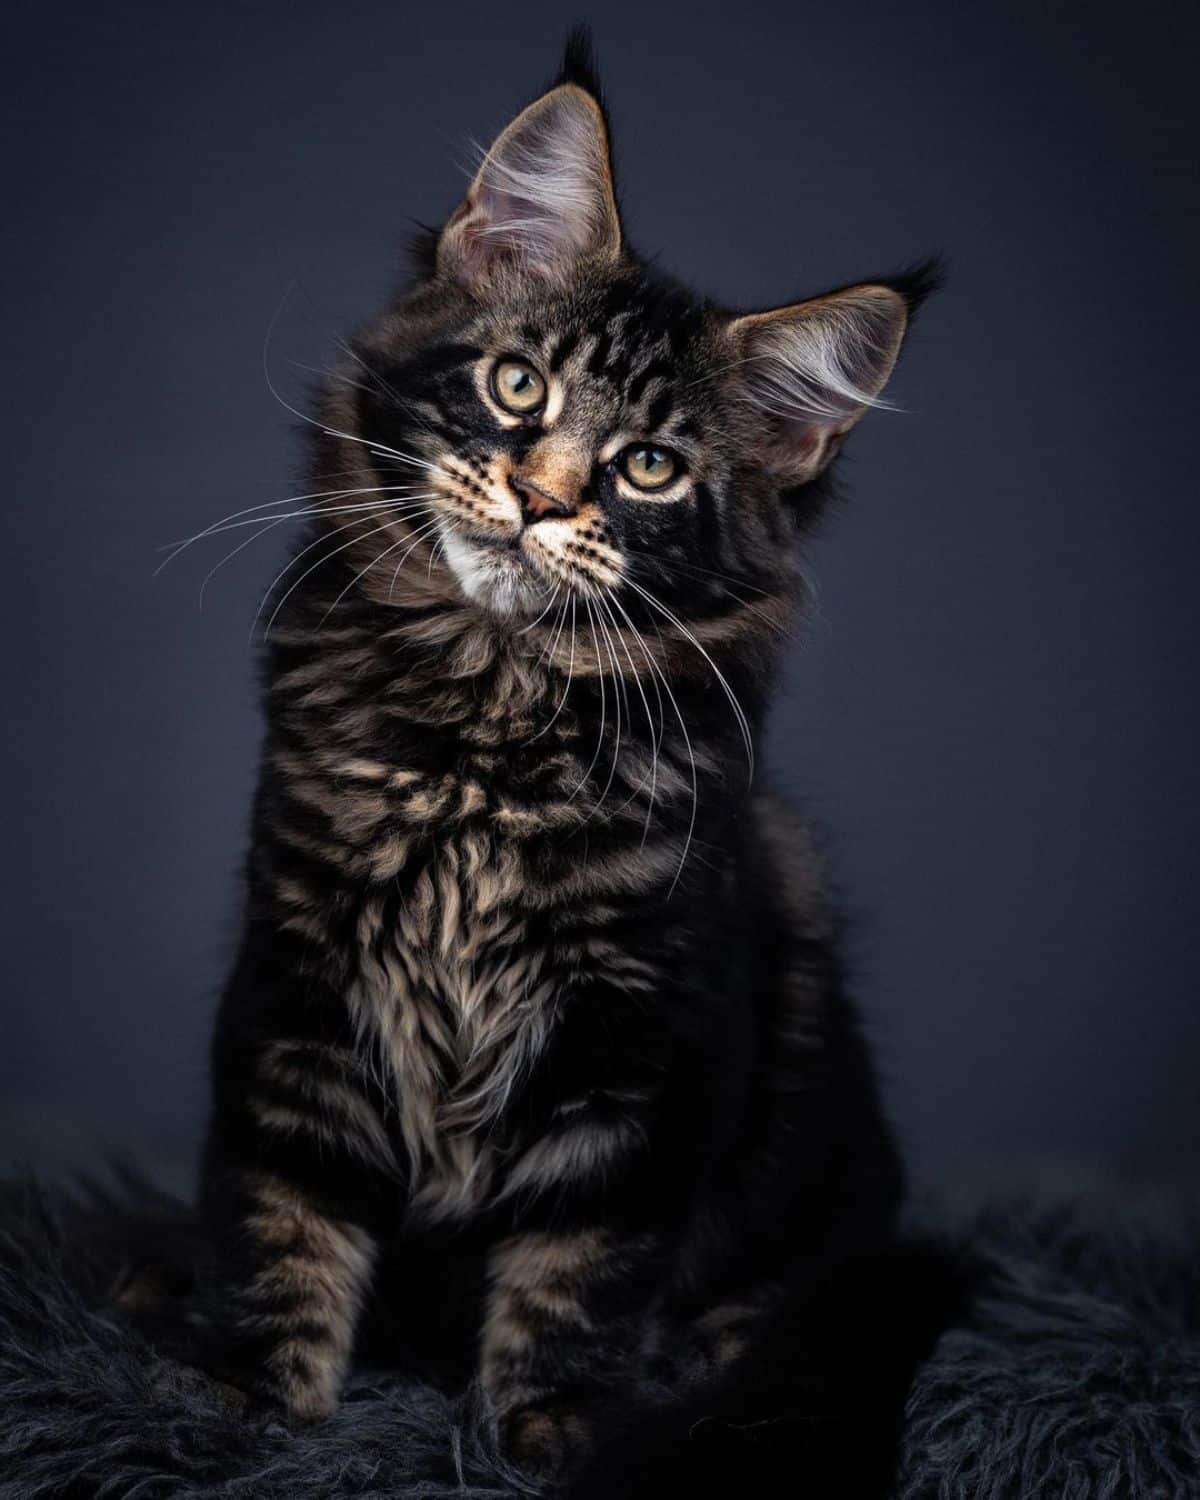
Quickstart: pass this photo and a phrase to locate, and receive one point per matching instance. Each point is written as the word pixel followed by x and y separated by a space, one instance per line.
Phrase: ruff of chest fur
pixel 453 986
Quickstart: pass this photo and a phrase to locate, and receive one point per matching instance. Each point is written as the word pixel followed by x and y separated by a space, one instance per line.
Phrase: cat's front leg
pixel 566 1317
pixel 299 1181
pixel 291 1280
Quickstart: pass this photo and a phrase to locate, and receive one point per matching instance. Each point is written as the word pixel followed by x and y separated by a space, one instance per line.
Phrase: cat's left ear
pixel 811 370
pixel 543 199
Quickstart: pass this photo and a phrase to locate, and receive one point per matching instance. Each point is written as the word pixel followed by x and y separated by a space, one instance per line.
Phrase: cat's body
pixel 536 1048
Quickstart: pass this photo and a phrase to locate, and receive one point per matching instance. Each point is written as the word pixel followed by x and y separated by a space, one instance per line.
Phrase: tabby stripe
pixel 563 350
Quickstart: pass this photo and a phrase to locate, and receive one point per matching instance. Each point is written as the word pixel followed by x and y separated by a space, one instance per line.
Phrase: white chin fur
pixel 499 582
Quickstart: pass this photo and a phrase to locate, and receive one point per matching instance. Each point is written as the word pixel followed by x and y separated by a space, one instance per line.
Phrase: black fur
pixel 1073 1370
pixel 536 1055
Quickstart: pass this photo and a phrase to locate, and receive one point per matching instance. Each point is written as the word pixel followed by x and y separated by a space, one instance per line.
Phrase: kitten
pixel 536 1052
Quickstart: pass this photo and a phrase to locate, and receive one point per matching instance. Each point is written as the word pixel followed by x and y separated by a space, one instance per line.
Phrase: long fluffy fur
pixel 1074 1369
pixel 536 1034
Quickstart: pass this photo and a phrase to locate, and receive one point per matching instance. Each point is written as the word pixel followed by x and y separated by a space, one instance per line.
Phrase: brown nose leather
pixel 537 503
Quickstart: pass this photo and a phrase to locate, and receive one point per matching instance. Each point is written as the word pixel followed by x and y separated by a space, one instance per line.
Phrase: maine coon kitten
pixel 536 1049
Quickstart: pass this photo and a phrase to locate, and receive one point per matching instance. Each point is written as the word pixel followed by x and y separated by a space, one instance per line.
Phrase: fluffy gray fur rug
pixel 1073 1375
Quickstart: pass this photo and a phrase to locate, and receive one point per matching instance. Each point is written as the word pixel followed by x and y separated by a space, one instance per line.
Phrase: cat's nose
pixel 537 503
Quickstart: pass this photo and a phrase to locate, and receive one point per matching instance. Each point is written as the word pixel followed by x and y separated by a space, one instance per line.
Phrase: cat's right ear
pixel 811 370
pixel 542 200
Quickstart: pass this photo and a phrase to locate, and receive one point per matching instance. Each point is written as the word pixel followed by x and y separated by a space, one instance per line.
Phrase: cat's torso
pixel 462 904
pixel 529 960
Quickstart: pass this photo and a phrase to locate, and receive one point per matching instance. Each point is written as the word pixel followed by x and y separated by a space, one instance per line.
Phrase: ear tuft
pixel 917 282
pixel 542 199
pixel 811 371
pixel 579 62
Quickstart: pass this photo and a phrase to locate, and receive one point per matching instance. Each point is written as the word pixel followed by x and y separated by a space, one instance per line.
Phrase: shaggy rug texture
pixel 1073 1372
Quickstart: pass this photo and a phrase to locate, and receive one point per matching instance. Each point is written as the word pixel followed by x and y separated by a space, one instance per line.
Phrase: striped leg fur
pixel 564 1324
pixel 285 1318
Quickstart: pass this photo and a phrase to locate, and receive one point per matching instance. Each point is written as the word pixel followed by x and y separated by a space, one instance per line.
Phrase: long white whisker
pixel 570 673
pixel 426 527
pixel 311 511
pixel 618 690
pixel 418 536
pixel 422 532
pixel 641 640
pixel 583 780
pixel 548 650
pixel 728 581
pixel 374 374
pixel 603 614
pixel 739 713
pixel 525 629
pixel 653 778
pixel 331 375
pixel 377 450
pixel 677 565
pixel 655 667
pixel 405 509
pixel 372 446
pixel 265 526
pixel 227 523
pixel 358 521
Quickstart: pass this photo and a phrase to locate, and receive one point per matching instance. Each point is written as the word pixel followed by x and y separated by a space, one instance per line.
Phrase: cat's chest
pixel 452 998
pixel 441 918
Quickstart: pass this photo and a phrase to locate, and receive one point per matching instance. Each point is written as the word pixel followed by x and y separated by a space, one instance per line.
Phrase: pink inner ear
pixel 797 448
pixel 543 196
pixel 813 369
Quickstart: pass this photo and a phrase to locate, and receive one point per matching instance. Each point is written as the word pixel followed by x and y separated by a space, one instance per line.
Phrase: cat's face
pixel 561 422
pixel 581 438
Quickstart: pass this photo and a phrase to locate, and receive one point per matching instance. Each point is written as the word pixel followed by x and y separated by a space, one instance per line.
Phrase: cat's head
pixel 560 420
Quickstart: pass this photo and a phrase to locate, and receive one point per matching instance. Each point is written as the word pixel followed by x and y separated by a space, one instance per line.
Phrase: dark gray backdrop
pixel 996 706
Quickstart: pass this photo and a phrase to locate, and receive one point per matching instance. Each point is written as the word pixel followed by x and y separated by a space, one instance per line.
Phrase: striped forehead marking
pixel 636 369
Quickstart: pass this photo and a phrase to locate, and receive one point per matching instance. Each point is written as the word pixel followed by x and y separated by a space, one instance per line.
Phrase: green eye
pixel 649 468
pixel 518 387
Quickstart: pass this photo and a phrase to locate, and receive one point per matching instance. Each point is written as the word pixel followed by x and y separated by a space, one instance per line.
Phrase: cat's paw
pixel 146 1288
pixel 232 1397
pixel 693 1355
pixel 545 1440
pixel 259 1394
